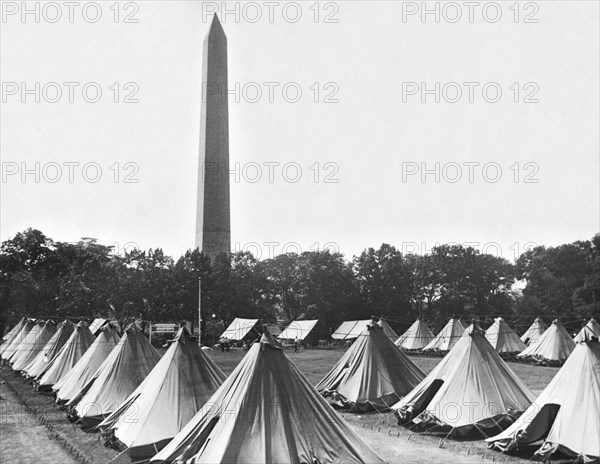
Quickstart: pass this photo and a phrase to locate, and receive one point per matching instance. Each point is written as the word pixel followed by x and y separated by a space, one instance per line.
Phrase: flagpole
pixel 200 311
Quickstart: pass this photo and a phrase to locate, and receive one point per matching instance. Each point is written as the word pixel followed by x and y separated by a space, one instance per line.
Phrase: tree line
pixel 40 277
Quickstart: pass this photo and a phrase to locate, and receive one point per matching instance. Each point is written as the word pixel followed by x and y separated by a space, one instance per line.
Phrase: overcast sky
pixel 513 169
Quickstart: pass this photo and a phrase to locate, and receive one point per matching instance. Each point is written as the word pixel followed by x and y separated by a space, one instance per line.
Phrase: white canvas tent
pixel 593 326
pixel 267 412
pixel 417 337
pixel 120 374
pixel 179 385
pixel 12 332
pixel 534 332
pixel 555 344
pixel 471 390
pixel 387 330
pixel 83 371
pixel 34 343
pixel 75 347
pixel 565 417
pixel 239 328
pixel 8 349
pixel 298 330
pixel 349 330
pixel 50 350
pixel 448 336
pixel 503 338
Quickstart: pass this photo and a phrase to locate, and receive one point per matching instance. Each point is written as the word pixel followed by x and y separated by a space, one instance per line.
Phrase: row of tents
pixel 539 342
pixel 473 392
pixel 182 408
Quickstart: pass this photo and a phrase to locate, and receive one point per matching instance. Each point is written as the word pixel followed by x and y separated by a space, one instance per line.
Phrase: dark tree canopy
pixel 43 278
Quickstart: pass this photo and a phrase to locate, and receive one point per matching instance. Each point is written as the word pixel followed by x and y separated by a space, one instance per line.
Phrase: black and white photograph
pixel 299 232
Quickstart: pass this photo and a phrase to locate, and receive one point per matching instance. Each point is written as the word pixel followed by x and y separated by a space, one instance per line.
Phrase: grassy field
pixel 314 364
pixel 381 431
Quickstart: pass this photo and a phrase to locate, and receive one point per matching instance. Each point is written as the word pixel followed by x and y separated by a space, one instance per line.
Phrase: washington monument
pixel 213 223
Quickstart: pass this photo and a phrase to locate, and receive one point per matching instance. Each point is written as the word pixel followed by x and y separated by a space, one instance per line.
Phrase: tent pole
pixel 200 311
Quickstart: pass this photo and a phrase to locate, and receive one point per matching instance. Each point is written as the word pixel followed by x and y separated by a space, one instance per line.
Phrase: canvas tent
pixel 239 328
pixel 417 337
pixel 349 330
pixel 124 369
pixel 387 330
pixel 448 336
pixel 34 343
pixel 82 372
pixel 12 332
pixel 13 335
pixel 9 349
pixel 555 344
pixel 50 350
pixel 179 385
pixel 97 324
pixel 503 338
pixel 534 332
pixel 267 412
pixel 72 351
pixel 471 390
pixel 298 330
pixel 566 415
pixel 372 374
pixel 593 326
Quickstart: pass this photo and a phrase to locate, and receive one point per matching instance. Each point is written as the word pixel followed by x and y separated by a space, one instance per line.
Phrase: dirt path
pixel 24 440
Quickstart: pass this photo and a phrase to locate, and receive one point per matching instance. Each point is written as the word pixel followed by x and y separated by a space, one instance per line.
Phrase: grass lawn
pixel 314 364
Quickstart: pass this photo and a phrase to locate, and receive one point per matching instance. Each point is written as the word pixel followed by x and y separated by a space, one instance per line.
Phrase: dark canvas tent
pixel 34 343
pixel 417 337
pixel 267 412
pixel 50 350
pixel 82 372
pixel 565 417
pixel 555 344
pixel 178 386
pixel 471 389
pixel 81 339
pixel 534 332
pixel 372 374
pixel 124 369
pixel 448 336
pixel 503 338
pixel 7 349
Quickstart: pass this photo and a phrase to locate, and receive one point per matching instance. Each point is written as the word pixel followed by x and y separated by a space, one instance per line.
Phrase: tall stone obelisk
pixel 213 222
